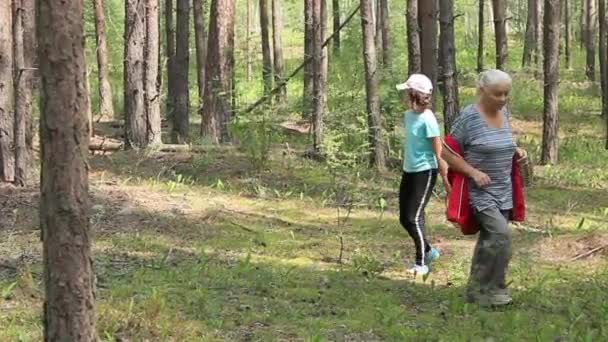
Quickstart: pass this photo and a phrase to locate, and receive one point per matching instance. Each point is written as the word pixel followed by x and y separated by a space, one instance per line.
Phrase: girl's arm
pixel 443 166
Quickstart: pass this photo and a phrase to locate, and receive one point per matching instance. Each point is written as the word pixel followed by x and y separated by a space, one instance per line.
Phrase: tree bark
pixel 374 120
pixel 378 25
pixel 604 55
pixel 151 62
pixel 568 32
pixel 181 124
pixel 320 73
pixel 266 54
pixel 427 16
pixel 336 16
pixel 538 49
pixel 248 51
pixel 170 53
pixel 218 110
pixel 277 31
pixel 308 92
pixel 24 42
pixel 500 29
pixel 7 118
pixel 530 42
pixel 450 80
pixel 583 24
pixel 550 146
pixel 200 37
pixel 69 311
pixel 386 34
pixel 106 108
pixel 413 38
pixel 591 20
pixel 480 35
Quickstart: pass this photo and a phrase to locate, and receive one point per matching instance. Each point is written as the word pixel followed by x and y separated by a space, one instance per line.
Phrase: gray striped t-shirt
pixel 490 150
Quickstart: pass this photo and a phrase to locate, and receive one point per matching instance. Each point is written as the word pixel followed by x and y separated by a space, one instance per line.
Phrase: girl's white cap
pixel 418 82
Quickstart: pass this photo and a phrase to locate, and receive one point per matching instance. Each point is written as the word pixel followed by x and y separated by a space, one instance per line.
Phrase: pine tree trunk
pixel 106 108
pixel 217 111
pixel 24 41
pixel 530 42
pixel 170 53
pixel 550 146
pixel 277 45
pixel 181 124
pixel 308 53
pixel 69 310
pixel 151 62
pixel 320 73
pixel 378 25
pixel 500 29
pixel 427 16
pixel 374 121
pixel 201 47
pixel 583 24
pixel 336 16
pixel 266 54
pixel 538 48
pixel 568 31
pixel 248 51
pixel 450 80
pixel 386 34
pixel 413 38
pixel 480 35
pixel 604 55
pixel 590 39
pixel 7 114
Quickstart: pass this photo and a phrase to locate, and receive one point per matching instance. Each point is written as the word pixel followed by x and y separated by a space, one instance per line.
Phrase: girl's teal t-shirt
pixel 418 149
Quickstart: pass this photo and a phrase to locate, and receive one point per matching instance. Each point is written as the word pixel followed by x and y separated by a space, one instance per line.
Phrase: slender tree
pixel 500 29
pixel 590 38
pixel 69 310
pixel 200 38
pixel 248 51
pixel 277 45
pixel 413 38
pixel 266 51
pixel 218 110
pixel 336 20
pixel 181 100
pixel 449 74
pixel 603 17
pixel 308 92
pixel 7 157
pixel 550 146
pixel 480 35
pixel 531 26
pixel 151 66
pixel 106 108
pixel 568 33
pixel 427 17
pixel 386 34
pixel 170 53
pixel 374 121
pixel 320 72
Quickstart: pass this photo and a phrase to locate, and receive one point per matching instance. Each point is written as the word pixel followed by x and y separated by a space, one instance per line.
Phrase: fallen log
pixel 113 146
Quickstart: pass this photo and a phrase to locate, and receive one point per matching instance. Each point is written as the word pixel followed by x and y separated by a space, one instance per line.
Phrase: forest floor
pixel 204 247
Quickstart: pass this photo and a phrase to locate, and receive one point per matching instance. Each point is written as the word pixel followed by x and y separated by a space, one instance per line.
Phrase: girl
pixel 422 159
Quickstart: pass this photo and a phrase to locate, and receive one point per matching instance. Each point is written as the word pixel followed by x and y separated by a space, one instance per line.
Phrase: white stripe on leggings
pixel 418 212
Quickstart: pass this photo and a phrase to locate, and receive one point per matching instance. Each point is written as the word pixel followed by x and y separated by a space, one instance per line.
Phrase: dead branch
pixel 589 253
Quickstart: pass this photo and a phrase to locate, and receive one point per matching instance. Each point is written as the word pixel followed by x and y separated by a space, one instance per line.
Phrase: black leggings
pixel 414 194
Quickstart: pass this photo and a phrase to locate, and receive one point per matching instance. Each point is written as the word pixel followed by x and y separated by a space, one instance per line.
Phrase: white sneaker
pixel 419 270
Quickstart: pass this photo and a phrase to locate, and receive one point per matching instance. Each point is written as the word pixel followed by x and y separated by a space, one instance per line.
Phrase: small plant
pixel 367 264
pixel 256 136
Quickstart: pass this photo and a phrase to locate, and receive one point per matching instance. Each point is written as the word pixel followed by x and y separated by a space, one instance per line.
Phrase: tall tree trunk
pixel 24 53
pixel 500 29
pixel 248 51
pixel 378 25
pixel 170 53
pixel 106 107
pixel 583 24
pixel 266 54
pixel 591 21
pixel 538 49
pixel 7 118
pixel 530 42
pixel 69 310
pixel 336 16
pixel 480 35
pixel 320 72
pixel 568 31
pixel 277 45
pixel 374 121
pixel 386 34
pixel 201 47
pixel 217 111
pixel 604 55
pixel 181 124
pixel 450 80
pixel 151 62
pixel 413 38
pixel 427 16
pixel 550 146
pixel 308 53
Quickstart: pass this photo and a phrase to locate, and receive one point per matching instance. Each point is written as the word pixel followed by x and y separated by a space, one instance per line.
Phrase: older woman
pixel 484 134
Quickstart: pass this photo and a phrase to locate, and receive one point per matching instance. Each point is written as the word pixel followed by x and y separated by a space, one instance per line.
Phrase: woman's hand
pixel 520 153
pixel 443 171
pixel 481 179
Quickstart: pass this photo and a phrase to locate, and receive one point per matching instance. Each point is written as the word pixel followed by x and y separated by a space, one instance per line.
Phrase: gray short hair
pixel 492 77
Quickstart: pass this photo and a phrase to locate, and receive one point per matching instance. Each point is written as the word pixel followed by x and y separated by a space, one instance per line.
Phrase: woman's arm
pixel 460 165
pixel 443 166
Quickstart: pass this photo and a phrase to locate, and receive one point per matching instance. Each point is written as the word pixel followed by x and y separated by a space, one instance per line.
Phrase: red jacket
pixel 459 210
